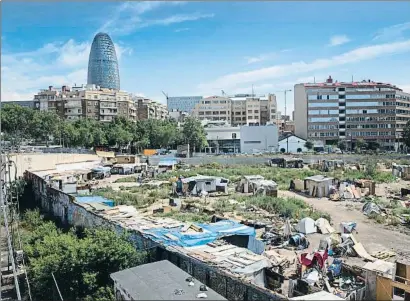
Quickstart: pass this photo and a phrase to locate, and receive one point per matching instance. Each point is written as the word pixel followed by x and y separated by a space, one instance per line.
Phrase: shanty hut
pixel 318 186
pixel 199 183
pixel 257 185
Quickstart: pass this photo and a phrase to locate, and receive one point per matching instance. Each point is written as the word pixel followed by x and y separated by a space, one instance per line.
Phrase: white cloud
pixel 264 57
pixel 129 17
pixel 405 88
pixel 182 29
pixel 176 19
pixel 277 71
pixel 392 32
pixel 56 64
pixel 338 40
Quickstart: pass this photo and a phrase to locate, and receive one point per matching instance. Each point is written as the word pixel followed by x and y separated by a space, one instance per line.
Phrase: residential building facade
pixel 183 103
pixel 149 109
pixel 347 111
pixel 238 110
pixel 87 101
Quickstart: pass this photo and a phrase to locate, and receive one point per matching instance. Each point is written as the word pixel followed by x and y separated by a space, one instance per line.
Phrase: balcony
pixel 108 112
pixel 108 106
pixel 74 112
pixel 73 105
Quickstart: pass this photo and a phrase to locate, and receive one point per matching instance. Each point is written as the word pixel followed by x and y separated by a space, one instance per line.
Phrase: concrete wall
pixel 300 105
pixel 34 162
pixel 261 138
pixel 63 207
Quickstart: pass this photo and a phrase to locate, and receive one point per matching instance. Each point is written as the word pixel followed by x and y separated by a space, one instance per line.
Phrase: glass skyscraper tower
pixel 103 64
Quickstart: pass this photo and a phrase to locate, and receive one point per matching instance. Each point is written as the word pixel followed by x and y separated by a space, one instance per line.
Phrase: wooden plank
pixel 400 285
pixel 384 290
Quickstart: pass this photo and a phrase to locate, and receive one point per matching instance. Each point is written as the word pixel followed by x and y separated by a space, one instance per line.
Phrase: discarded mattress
pixel 307 226
pixel 324 226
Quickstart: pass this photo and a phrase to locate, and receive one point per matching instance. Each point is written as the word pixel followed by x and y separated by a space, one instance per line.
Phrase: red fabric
pixel 320 257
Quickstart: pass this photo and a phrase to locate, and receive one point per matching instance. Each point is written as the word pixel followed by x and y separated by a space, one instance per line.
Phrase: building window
pixel 252 142
pixel 233 135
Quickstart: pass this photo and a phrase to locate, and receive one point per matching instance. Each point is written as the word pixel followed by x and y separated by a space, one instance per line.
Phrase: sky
pixel 201 48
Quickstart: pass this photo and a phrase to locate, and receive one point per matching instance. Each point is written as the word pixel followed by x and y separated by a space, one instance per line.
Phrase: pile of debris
pixel 353 190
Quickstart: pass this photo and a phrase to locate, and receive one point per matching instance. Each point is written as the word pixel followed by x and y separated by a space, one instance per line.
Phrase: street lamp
pixel 284 125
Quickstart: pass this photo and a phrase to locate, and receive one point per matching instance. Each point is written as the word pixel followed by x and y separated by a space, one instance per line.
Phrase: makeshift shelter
pixel 329 165
pixel 122 169
pixel 307 226
pixel 257 185
pixel 159 280
pixel 198 184
pixel 318 186
pixel 168 164
pixel 401 171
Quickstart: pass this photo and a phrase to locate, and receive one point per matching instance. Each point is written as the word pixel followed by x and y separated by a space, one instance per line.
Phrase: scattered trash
pixel 348 227
pixel 324 226
pixel 203 288
pixel 370 208
pixel 306 226
pixel 202 296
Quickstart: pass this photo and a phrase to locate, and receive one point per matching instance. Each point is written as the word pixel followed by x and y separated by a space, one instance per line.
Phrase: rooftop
pixel 160 280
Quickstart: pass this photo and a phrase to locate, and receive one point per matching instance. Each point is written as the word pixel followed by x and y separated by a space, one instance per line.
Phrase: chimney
pixel 50 87
pixel 329 80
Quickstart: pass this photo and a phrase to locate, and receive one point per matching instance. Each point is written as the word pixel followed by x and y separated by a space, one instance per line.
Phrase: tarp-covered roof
pixel 95 199
pixel 211 232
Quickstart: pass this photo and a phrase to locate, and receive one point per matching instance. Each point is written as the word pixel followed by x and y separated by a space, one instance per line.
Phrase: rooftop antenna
pixel 314 80
pixel 253 95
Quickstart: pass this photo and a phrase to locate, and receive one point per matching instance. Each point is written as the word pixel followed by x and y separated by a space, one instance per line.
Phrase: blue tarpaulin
pixel 211 232
pixel 95 199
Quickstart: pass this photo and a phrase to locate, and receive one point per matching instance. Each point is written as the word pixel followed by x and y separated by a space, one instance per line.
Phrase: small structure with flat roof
pixel 160 280
pixel 319 185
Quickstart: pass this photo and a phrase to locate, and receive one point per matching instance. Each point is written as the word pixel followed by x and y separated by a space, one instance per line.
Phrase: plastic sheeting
pixel 95 199
pixel 210 233
pixel 255 245
pixel 370 208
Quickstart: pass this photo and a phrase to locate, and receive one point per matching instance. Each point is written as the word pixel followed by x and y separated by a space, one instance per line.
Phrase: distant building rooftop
pixel 160 280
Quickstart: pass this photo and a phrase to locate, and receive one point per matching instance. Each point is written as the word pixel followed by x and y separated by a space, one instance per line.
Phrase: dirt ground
pixel 374 237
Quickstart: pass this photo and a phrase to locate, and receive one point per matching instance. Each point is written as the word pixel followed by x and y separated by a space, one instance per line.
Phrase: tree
pixel 299 150
pixel 309 145
pixel 405 134
pixel 17 123
pixel 282 150
pixel 360 143
pixel 80 266
pixel 194 133
pixel 45 125
pixel 341 145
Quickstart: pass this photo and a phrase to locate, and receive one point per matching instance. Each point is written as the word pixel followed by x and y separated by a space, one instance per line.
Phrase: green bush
pixel 131 179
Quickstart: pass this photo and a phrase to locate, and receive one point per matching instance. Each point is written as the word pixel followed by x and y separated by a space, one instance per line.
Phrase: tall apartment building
pixel 183 103
pixel 86 102
pixel 334 111
pixel 238 109
pixel 149 109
